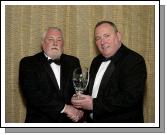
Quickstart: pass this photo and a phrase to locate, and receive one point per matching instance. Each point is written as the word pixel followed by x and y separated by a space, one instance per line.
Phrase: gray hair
pixel 49 28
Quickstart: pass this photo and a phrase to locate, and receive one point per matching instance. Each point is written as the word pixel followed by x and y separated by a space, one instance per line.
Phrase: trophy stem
pixel 78 93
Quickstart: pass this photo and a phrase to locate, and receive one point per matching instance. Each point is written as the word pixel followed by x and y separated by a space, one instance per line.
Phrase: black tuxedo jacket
pixel 44 99
pixel 120 95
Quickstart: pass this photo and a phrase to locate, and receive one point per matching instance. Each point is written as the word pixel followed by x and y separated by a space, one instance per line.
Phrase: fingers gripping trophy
pixel 80 80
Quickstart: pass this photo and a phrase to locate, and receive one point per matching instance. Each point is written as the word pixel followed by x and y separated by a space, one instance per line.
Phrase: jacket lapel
pixel 106 77
pixel 63 73
pixel 49 70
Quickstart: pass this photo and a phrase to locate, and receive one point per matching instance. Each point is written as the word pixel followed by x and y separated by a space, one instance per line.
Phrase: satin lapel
pixel 49 70
pixel 93 73
pixel 63 74
pixel 106 76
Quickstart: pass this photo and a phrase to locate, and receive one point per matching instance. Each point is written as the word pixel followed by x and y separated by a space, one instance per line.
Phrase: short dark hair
pixel 108 22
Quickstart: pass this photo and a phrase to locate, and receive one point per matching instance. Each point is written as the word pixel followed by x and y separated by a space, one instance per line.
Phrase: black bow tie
pixel 104 59
pixel 56 61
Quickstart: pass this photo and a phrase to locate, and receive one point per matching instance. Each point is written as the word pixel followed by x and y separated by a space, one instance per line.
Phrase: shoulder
pixel 127 55
pixel 69 57
pixel 133 55
pixel 31 59
pixel 69 61
pixel 130 59
pixel 26 60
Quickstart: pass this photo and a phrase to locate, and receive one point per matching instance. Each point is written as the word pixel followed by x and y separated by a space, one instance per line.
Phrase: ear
pixel 119 35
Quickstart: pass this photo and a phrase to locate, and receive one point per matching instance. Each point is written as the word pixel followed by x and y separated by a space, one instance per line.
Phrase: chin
pixel 106 55
pixel 57 55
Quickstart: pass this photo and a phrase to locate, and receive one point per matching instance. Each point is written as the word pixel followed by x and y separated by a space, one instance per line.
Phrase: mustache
pixel 55 48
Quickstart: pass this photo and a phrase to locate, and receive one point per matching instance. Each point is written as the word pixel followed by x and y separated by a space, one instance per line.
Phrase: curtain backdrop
pixel 24 26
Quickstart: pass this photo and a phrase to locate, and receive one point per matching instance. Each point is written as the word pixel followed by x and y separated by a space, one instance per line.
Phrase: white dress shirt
pixel 56 70
pixel 99 77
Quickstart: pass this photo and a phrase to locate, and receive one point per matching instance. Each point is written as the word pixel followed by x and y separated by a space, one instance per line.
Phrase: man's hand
pixel 73 113
pixel 84 101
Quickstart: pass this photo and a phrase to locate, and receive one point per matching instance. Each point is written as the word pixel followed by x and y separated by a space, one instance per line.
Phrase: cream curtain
pixel 25 24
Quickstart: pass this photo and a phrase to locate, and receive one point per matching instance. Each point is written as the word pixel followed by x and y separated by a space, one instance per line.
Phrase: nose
pixel 55 42
pixel 102 41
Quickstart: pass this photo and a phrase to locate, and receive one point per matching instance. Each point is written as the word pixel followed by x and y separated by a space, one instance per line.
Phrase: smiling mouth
pixel 105 47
